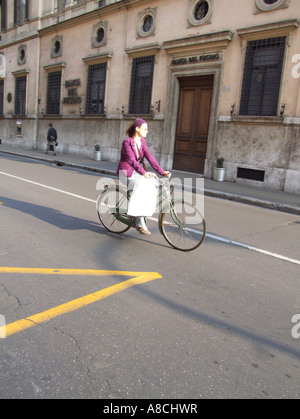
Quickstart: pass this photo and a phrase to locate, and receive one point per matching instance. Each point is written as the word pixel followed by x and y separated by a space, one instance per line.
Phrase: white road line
pixel 255 249
pixel 49 187
pixel 212 236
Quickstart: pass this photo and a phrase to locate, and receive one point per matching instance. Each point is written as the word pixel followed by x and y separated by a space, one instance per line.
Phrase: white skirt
pixel 143 198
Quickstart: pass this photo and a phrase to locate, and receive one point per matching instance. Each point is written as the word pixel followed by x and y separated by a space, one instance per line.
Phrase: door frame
pixel 172 105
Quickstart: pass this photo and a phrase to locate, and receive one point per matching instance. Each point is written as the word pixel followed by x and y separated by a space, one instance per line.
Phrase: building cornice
pixel 21 72
pixel 147 49
pixel 97 58
pixel 212 41
pixel 19 40
pixel 84 17
pixel 55 66
pixel 268 30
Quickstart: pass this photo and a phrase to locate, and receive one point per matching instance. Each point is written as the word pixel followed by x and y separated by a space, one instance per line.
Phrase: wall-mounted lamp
pixel 282 110
pixel 123 110
pixel 232 109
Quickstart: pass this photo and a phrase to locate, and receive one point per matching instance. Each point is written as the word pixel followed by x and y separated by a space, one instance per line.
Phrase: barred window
pixel 20 96
pixel 269 5
pixel 1 96
pixel 61 4
pixel 262 77
pixel 141 85
pixel 53 93
pixel 21 11
pixel 3 15
pixel 201 10
pixel 96 89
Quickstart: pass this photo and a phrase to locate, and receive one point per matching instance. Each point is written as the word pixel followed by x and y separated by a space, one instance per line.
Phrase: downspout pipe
pixel 37 85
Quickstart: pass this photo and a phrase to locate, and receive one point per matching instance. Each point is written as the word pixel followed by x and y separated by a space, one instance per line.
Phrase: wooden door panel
pixel 193 123
pixel 183 146
pixel 187 101
pixel 200 148
pixel 203 112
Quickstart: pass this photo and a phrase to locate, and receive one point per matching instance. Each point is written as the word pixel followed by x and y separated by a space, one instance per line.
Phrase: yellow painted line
pixel 85 272
pixel 18 326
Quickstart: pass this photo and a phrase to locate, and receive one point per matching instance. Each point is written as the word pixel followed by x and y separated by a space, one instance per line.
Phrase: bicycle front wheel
pixel 111 202
pixel 183 226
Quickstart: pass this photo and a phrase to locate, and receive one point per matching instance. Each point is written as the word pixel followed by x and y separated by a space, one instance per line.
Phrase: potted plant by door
pixel 219 170
pixel 97 153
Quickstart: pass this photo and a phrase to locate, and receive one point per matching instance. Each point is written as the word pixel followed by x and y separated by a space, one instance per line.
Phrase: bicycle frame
pixel 173 219
pixel 165 196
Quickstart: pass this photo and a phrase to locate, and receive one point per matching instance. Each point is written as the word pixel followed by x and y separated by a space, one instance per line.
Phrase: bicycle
pixel 180 223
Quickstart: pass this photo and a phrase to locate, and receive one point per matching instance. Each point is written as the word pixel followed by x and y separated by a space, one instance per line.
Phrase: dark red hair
pixel 135 124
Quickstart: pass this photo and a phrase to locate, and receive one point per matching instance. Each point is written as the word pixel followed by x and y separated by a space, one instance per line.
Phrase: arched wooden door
pixel 193 123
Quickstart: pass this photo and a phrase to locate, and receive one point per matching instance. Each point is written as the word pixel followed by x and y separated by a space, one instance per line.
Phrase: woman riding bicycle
pixel 134 150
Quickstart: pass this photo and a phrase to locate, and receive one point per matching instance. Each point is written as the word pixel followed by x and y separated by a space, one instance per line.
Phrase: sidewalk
pixel 267 198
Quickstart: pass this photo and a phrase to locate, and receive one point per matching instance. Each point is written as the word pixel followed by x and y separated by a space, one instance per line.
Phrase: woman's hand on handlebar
pixel 147 174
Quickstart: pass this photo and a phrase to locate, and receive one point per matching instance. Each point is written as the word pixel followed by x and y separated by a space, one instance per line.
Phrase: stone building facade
pixel 213 78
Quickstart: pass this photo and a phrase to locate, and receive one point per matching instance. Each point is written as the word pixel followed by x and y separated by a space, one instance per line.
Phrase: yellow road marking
pixel 85 272
pixel 18 326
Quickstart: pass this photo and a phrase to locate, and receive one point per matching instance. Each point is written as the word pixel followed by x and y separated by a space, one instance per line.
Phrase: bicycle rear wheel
pixel 111 202
pixel 183 226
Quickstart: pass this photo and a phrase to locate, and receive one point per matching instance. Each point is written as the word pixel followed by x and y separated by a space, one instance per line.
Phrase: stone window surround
pixel 140 23
pixel 100 25
pixel 54 40
pixel 22 49
pixel 261 6
pixel 191 18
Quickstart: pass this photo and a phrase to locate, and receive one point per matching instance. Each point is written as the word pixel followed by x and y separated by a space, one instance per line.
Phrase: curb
pixel 291 209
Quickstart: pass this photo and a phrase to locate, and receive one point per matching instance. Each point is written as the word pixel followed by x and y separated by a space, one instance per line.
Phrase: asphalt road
pixel 212 323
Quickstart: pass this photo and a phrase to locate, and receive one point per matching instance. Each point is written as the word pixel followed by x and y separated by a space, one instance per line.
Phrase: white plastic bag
pixel 143 197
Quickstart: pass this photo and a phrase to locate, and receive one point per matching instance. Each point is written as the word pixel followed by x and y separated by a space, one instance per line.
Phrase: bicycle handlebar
pixel 161 181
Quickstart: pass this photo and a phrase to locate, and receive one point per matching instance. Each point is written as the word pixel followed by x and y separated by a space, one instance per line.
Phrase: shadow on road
pixel 50 215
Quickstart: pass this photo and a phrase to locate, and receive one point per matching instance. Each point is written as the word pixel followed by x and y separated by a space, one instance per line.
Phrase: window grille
pixel 201 10
pixel 21 11
pixel 96 89
pixel 53 93
pixel 262 77
pixel 141 85
pixel 1 96
pixel 3 14
pixel 20 95
pixel 61 4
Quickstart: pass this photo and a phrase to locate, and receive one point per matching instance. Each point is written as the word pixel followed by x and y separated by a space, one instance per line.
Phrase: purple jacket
pixel 129 161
